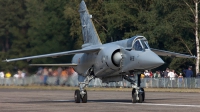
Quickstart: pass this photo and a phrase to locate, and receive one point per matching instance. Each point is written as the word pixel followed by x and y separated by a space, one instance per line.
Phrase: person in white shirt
pixel 147 76
pixel 16 76
pixel 2 77
pixel 146 73
pixel 21 76
pixel 171 76
pixel 16 79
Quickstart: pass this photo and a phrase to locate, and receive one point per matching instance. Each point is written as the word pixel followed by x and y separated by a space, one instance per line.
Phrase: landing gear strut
pixel 138 93
pixel 81 94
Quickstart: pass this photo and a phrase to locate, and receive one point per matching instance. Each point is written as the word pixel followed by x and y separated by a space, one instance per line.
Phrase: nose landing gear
pixel 138 93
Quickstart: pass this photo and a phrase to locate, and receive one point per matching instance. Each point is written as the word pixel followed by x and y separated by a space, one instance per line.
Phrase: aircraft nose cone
pixel 158 61
pixel 151 60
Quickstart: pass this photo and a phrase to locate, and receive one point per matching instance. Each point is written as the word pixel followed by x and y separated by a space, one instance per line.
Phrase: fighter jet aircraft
pixel 113 61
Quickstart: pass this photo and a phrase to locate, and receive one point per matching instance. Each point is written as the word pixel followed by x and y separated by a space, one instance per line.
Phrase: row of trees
pixel 33 27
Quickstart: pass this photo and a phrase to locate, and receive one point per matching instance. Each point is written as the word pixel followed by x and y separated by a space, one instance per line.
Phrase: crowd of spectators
pixel 169 78
pixel 68 77
pixel 64 76
pixel 18 78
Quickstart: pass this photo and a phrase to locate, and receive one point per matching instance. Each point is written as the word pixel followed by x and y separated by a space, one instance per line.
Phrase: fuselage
pixel 118 57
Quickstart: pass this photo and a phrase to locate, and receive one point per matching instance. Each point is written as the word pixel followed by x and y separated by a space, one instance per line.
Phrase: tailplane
pixel 89 32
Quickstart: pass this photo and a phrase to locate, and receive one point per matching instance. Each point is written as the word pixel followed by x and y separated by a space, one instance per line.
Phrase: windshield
pixel 145 44
pixel 137 46
pixel 130 42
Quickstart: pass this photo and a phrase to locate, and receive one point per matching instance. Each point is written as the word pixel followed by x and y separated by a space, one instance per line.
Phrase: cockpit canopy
pixel 138 43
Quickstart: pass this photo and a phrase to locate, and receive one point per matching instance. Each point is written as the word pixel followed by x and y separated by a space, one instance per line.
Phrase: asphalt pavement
pixel 26 100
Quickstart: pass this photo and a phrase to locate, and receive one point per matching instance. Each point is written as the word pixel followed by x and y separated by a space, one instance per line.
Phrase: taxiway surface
pixel 24 100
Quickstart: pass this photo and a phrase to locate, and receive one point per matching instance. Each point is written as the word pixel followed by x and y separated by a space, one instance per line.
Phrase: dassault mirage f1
pixel 110 62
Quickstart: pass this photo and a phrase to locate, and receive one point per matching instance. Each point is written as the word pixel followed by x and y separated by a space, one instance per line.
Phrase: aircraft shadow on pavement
pixel 90 101
pixel 111 100
pixel 129 100
pixel 71 101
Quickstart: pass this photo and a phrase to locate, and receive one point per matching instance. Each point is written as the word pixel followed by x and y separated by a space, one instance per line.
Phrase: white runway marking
pixel 172 105
pixel 152 104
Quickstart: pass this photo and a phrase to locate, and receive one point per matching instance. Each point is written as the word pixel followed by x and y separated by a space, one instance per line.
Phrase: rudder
pixel 89 32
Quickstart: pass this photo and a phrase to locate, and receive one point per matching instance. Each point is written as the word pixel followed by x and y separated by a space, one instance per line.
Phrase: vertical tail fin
pixel 89 32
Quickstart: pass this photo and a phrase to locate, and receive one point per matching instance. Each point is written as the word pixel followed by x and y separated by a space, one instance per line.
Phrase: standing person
pixel 23 74
pixel 70 76
pixel 188 75
pixel 8 75
pixel 171 76
pixel 147 76
pixel 45 76
pixel 162 74
pixel 142 77
pixel 180 80
pixel 59 72
pixel 2 77
pixel 150 74
pixel 64 76
pixel 18 80
pixel 156 77
pixel 75 79
pixel 39 72
pixel 166 72
pixel 50 72
pixel 166 78
pixel 1 74
pixel 38 78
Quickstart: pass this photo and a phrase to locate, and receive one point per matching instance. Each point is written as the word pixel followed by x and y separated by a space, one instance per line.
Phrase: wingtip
pixel 5 60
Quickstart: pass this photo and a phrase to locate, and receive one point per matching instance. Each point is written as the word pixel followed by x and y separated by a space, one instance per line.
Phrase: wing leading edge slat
pixel 171 54
pixel 90 50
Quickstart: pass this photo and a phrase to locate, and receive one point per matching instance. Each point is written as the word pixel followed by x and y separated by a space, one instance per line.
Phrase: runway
pixel 18 100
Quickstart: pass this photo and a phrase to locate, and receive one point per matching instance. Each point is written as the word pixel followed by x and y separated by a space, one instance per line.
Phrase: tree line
pixel 33 27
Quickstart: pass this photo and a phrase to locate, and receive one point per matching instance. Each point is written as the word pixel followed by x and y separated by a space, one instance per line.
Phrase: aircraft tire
pixel 134 96
pixel 143 94
pixel 77 96
pixel 84 98
pixel 140 98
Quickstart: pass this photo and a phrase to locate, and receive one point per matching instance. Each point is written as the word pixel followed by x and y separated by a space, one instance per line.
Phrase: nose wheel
pixel 134 97
pixel 78 96
pixel 138 96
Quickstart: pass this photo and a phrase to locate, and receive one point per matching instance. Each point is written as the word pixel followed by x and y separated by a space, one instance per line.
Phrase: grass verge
pixel 100 88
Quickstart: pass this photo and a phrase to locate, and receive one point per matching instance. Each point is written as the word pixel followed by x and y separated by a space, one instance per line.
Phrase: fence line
pixel 73 81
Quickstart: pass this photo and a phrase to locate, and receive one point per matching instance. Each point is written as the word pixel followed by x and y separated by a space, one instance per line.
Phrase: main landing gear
pixel 81 94
pixel 138 93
